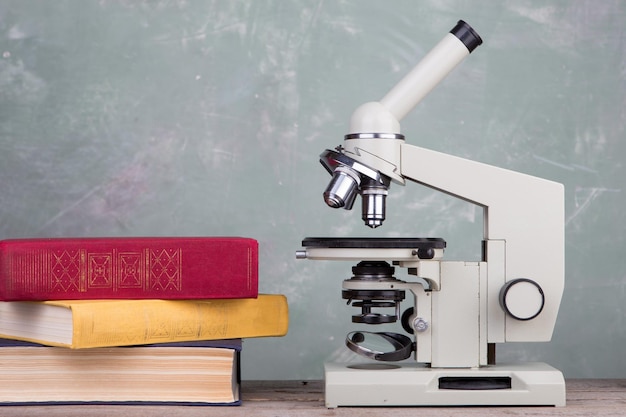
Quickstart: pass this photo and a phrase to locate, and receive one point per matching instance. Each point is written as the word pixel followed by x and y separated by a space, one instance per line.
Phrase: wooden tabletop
pixel 585 397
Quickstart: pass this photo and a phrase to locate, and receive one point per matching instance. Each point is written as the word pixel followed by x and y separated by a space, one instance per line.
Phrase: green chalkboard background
pixel 153 118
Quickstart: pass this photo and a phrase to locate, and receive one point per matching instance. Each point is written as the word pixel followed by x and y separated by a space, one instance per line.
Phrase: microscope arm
pixel 523 230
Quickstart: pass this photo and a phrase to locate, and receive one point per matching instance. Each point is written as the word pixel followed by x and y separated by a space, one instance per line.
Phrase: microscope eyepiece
pixel 466 34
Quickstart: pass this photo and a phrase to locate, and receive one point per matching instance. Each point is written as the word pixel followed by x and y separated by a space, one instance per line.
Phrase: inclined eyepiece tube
pixel 431 70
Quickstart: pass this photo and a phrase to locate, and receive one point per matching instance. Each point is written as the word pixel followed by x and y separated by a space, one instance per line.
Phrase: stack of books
pixel 130 320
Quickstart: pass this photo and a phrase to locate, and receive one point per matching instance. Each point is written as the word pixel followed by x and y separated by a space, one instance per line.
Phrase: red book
pixel 128 268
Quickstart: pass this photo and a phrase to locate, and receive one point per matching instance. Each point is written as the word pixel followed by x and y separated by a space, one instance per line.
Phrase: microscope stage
pixel 423 243
pixel 364 248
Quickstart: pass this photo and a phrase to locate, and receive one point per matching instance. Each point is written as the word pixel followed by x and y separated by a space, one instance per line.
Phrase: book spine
pixel 128 268
pixel 123 323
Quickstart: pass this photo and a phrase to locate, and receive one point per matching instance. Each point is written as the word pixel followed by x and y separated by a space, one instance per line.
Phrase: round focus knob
pixel 522 299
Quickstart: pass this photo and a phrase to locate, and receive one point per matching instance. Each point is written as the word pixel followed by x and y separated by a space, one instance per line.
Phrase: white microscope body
pixel 461 310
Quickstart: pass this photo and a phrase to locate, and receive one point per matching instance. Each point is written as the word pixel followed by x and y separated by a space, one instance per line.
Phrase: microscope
pixel 459 310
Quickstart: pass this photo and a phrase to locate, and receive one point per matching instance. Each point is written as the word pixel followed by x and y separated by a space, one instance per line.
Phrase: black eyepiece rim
pixel 466 34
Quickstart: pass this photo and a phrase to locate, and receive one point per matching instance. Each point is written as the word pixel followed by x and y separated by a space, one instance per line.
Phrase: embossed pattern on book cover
pixel 88 268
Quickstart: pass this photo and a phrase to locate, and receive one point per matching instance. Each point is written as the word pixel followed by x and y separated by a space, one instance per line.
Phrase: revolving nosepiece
pixel 349 178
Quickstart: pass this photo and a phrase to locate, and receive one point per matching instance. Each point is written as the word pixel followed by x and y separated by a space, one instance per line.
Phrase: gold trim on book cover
pixel 78 270
pixel 165 269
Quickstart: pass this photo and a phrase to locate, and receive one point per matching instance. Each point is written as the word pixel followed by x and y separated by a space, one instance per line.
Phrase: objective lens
pixel 373 208
pixel 342 189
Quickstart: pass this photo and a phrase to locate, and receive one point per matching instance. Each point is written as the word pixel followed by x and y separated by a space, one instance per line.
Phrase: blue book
pixel 185 373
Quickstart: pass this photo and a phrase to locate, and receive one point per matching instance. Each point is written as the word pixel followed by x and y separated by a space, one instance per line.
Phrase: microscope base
pixel 384 384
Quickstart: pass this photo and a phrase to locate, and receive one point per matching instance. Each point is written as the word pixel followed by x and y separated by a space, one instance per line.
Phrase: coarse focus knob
pixel 522 299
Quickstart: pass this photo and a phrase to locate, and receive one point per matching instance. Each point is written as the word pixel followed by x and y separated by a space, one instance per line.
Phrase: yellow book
pixel 81 324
